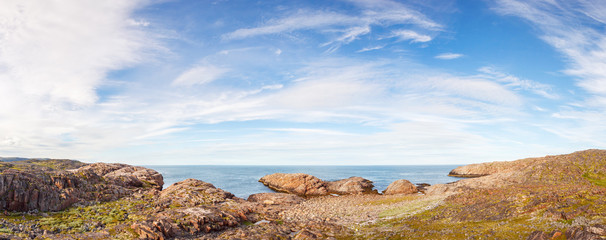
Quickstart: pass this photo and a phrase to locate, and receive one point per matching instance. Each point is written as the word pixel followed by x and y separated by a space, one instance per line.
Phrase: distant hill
pixel 45 164
pixel 12 159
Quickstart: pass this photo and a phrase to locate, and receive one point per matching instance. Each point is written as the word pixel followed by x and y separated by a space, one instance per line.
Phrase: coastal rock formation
pixel 484 169
pixel 48 187
pixel 25 191
pixel 401 186
pixel 193 192
pixel 124 175
pixel 296 183
pixel 540 198
pixel 192 207
pixel 306 185
pixel 352 185
pixel 275 198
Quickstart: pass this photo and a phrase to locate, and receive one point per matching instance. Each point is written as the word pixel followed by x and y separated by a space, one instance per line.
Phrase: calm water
pixel 243 180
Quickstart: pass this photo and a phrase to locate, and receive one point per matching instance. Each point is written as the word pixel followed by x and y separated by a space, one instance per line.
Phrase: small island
pixel 552 197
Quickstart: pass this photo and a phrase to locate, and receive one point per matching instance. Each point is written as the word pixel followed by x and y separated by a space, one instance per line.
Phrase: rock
pixel 422 187
pixel 193 192
pixel 193 207
pixel 599 229
pixel 26 191
pixel 352 185
pixel 35 186
pixel 296 183
pixel 306 234
pixel 125 175
pixel 275 198
pixel 401 186
pixel 538 235
pixel 577 233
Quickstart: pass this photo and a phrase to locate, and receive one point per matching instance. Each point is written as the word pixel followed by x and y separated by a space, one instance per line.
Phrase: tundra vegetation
pixel 552 197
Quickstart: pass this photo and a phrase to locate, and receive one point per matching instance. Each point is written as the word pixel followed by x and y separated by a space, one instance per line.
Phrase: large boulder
pixel 297 183
pixel 352 185
pixel 193 192
pixel 401 186
pixel 193 207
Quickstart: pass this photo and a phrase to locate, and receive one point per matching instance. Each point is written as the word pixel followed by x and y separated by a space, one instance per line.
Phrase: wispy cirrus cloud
pixel 449 56
pixel 372 14
pixel 199 75
pixel 540 89
pixel 404 35
pixel 298 21
pixel 574 28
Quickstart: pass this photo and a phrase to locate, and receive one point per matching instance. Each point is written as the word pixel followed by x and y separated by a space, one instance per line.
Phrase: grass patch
pixel 411 207
pixel 92 218
pixel 596 178
pixel 427 225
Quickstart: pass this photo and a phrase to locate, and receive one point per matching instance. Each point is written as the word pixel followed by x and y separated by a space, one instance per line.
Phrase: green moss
pixel 596 178
pixel 89 218
pixel 412 207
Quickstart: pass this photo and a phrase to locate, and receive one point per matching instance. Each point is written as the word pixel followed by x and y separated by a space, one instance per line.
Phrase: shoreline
pixel 537 198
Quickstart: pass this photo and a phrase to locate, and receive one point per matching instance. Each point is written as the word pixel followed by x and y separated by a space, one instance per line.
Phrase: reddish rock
pixel 125 175
pixel 25 191
pixel 352 185
pixel 296 183
pixel 578 233
pixel 401 186
pixel 48 189
pixel 193 192
pixel 275 198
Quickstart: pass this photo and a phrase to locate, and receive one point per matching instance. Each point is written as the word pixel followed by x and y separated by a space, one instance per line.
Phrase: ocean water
pixel 242 181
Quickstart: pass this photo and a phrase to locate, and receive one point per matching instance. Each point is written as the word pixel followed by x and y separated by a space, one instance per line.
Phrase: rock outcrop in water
pixel 296 183
pixel 306 185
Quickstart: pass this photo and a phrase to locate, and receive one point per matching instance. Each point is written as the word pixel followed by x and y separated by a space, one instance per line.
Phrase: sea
pixel 242 181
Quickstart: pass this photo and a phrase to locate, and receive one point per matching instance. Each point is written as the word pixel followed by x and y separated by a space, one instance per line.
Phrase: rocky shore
pixel 553 197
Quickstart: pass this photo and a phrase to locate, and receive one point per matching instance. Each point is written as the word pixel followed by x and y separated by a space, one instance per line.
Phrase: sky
pixel 342 82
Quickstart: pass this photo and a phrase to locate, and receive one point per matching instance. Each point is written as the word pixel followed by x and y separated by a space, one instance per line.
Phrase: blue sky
pixel 301 82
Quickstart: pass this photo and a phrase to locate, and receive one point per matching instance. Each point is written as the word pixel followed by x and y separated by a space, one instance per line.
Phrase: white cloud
pixel 474 88
pixel 540 89
pixel 379 13
pixel 300 20
pixel 366 49
pixel 413 36
pixel 138 23
pixel 53 57
pixel 449 56
pixel 199 75
pixel 573 28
